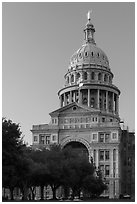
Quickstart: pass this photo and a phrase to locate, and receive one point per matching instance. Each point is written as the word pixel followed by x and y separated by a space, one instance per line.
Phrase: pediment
pixel 73 108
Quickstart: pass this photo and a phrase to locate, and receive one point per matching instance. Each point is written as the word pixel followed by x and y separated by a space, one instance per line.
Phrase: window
pixel 114 135
pixel 92 102
pixel 72 78
pixel 99 76
pixel 42 138
pixel 103 120
pixel 98 54
pixel 102 170
pixel 67 80
pixel 53 137
pixel 92 54
pixel 107 136
pixel 77 76
pixel 52 121
pixel 85 75
pixel 101 137
pixel 35 138
pixel 114 155
pixel 107 170
pixel 107 155
pixel 86 54
pixel 94 136
pixel 47 139
pixel 85 101
pixel 80 55
pixel 101 155
pixel 92 75
pixel 105 77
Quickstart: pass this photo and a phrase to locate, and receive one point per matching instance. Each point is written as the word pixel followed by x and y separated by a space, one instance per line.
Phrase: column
pixel 111 163
pixel 61 101
pixel 117 104
pixel 91 155
pixel 88 97
pixel 75 77
pixel 80 96
pixel 65 102
pixel 98 98
pixel 113 108
pixel 74 96
pixel 97 155
pixel 70 97
pixel 117 162
pixel 107 101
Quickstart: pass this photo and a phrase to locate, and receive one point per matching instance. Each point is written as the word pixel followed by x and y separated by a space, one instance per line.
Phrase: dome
pixel 89 53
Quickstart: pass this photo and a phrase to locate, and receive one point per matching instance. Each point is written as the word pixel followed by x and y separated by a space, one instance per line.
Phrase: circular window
pixel 74 108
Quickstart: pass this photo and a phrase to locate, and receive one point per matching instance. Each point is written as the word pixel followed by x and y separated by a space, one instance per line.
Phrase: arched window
pixel 68 79
pixel 105 77
pixel 85 75
pixel 72 78
pixel 92 75
pixel 92 54
pixel 77 76
pixel 85 101
pixel 99 76
pixel 110 79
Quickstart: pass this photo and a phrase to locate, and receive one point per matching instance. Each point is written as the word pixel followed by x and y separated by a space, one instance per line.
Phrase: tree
pixel 76 168
pixel 12 151
pixel 93 186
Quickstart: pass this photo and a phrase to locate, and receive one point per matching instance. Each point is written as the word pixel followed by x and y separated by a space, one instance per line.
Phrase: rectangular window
pixel 101 155
pixel 107 136
pixel 52 121
pixel 114 135
pixel 53 137
pixel 102 170
pixel 107 170
pixel 47 139
pixel 42 138
pixel 107 155
pixel 35 138
pixel 103 120
pixel 94 136
pixel 101 137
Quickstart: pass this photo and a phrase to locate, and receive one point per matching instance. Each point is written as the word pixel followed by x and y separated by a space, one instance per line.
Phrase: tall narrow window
pixel 99 76
pixel 42 138
pixel 101 155
pixel 107 155
pixel 92 75
pixel 101 137
pixel 47 139
pixel 72 78
pixel 107 170
pixel 105 78
pixel 85 75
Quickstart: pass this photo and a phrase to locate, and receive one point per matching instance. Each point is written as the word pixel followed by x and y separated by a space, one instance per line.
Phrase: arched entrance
pixel 78 147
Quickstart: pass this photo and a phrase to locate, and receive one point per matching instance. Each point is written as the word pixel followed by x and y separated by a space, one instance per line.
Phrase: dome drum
pixel 88 76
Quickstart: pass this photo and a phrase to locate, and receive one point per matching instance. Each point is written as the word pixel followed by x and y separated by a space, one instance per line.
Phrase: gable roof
pixel 86 108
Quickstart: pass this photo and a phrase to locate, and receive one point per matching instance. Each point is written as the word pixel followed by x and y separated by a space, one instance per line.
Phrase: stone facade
pixel 88 113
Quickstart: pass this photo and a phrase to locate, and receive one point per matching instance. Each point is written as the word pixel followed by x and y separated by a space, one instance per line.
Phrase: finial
pixel 89 15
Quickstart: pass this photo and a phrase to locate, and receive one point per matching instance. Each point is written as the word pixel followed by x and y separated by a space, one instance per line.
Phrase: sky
pixel 38 40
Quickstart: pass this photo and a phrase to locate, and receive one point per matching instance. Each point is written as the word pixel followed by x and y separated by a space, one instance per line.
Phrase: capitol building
pixel 88 116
